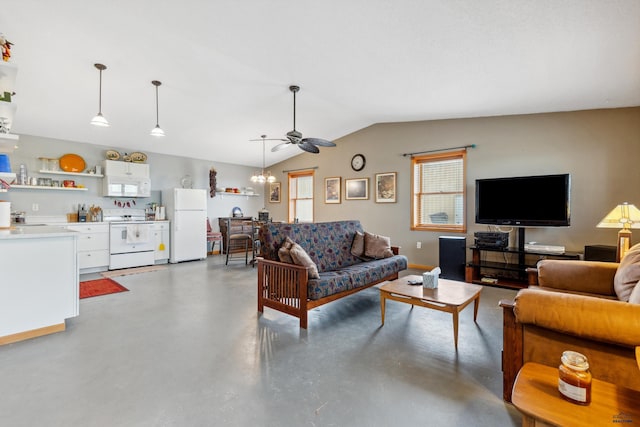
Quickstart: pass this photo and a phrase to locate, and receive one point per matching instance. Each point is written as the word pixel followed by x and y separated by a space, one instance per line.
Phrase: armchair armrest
pixel 283 287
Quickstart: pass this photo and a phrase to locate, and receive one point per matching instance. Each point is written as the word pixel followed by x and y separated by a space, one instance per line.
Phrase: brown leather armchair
pixel 572 307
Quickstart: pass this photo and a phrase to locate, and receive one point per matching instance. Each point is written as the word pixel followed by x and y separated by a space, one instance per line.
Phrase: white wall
pixel 166 172
pixel 599 148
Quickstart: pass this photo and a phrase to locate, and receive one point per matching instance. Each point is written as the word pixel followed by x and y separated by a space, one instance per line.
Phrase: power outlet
pixel 35 207
pixel 418 245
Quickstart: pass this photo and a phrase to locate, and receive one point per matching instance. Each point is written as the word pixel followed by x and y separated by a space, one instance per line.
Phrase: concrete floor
pixel 186 347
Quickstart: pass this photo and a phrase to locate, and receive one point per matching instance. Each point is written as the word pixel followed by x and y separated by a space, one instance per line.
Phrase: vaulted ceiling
pixel 225 66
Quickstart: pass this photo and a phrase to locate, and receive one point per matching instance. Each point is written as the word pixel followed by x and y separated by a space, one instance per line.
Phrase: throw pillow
pixel 376 246
pixel 357 247
pixel 634 298
pixel 628 273
pixel 301 257
pixel 284 253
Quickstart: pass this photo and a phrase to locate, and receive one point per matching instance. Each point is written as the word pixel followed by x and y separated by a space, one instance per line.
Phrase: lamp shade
pixel 622 216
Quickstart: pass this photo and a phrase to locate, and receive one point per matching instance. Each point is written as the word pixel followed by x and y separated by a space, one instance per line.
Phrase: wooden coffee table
pixel 450 296
pixel 536 395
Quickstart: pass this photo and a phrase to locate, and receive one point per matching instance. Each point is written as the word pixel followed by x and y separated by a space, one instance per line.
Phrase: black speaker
pixel 453 257
pixel 600 253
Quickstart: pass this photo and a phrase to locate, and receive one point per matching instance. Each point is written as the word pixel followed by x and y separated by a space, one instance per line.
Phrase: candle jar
pixel 574 382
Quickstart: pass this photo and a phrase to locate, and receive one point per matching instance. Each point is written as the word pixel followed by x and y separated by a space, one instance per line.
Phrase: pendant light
pixel 157 131
pixel 99 119
pixel 262 178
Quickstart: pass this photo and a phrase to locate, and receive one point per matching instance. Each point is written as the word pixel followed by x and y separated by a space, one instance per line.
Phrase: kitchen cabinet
pixel 161 249
pixel 134 170
pixel 39 285
pixel 93 246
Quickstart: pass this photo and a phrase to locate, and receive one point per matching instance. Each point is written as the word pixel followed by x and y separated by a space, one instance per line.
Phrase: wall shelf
pixel 222 194
pixel 42 187
pixel 91 175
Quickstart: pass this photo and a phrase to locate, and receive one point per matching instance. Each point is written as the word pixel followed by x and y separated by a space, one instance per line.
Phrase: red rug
pixel 94 288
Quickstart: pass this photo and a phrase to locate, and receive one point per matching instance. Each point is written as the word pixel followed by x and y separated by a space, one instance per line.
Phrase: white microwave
pixel 126 186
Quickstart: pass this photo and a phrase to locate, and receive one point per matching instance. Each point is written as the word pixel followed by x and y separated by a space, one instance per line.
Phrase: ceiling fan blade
pixel 309 147
pixel 320 142
pixel 269 139
pixel 280 146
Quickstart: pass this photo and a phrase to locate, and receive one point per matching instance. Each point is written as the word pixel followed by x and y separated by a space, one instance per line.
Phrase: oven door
pixel 131 245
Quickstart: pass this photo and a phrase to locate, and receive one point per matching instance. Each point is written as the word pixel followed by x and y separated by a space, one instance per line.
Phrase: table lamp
pixel 625 217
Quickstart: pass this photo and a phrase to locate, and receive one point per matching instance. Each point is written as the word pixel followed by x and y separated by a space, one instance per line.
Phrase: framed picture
pixel 356 189
pixel 332 190
pixel 274 192
pixel 386 187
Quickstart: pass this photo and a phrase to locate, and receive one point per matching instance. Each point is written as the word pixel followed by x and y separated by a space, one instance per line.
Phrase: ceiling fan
pixel 294 137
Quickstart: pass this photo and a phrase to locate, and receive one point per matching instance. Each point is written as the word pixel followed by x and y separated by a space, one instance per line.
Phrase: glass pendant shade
pixel 99 120
pixel 157 131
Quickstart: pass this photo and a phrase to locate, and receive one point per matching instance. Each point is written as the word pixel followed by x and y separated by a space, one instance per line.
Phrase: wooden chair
pixel 239 235
pixel 213 237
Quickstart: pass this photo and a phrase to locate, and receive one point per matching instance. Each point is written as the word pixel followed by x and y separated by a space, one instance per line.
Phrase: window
pixel 438 201
pixel 301 196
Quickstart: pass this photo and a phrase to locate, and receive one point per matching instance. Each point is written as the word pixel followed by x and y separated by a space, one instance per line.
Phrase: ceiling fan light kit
pixel 294 137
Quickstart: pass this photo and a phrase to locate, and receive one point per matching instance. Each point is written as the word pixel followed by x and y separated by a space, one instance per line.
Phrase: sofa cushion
pixel 284 253
pixel 628 273
pixel 357 247
pixel 376 246
pixel 301 257
pixel 354 276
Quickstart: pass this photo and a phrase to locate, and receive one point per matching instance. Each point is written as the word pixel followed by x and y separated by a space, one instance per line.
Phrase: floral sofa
pixel 288 288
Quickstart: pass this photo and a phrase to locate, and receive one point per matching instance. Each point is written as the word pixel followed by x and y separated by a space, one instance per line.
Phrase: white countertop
pixel 32 232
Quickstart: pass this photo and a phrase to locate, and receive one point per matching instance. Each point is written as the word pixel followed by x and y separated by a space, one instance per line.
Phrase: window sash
pixel 301 196
pixel 439 195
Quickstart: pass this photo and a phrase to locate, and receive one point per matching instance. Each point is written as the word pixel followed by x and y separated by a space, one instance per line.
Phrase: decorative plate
pixel 138 157
pixel 112 155
pixel 72 163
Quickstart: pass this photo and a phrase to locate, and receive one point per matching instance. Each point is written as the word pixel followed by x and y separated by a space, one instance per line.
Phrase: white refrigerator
pixel 187 210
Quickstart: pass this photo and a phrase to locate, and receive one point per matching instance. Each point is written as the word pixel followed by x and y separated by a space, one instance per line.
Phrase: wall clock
pixel 357 162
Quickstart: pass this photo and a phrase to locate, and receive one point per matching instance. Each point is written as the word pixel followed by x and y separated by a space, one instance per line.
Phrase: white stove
pixel 131 239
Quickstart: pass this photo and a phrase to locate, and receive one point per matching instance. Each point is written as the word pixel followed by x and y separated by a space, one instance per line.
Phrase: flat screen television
pixel 525 201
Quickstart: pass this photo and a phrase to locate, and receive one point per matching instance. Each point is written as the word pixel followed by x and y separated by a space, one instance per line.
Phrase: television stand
pixel 506 267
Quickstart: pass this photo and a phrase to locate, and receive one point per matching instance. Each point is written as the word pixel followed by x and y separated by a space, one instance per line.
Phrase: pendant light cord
pixel 100 95
pixel 157 108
